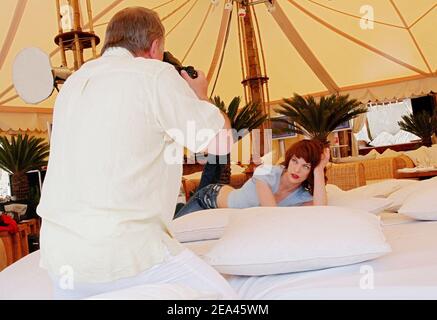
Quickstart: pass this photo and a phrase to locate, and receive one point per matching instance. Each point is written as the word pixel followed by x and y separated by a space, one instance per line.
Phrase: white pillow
pixel 201 225
pixel 422 205
pixel 381 189
pixel 369 204
pixel 398 197
pixel 340 198
pixel 404 137
pixel 263 241
pixel 332 189
pixel 382 139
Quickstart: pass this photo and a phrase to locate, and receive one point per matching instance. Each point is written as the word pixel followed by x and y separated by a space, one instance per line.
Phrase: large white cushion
pixel 332 189
pixel 201 225
pixel 381 189
pixel 399 196
pixel 371 204
pixel 340 198
pixel 422 204
pixel 262 241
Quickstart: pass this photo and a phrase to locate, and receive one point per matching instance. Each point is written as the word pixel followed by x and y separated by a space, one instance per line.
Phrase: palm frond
pixel 318 119
pixel 22 154
pixel 247 117
pixel 421 124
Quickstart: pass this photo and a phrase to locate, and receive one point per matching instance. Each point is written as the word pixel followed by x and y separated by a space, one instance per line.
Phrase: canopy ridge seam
pixel 356 16
pixel 359 42
pixel 411 35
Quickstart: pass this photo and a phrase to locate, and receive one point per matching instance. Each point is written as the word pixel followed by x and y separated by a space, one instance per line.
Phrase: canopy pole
pixel 254 80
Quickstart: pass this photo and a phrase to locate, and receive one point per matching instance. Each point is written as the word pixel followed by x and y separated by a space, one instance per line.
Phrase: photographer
pixel 110 190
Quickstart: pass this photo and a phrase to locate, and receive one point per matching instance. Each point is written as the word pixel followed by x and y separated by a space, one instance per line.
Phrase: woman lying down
pixel 299 180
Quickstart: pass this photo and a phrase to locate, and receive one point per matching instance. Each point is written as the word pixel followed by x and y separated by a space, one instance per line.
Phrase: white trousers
pixel 184 269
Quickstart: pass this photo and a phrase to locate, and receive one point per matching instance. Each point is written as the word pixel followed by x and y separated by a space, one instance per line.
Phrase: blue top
pixel 246 196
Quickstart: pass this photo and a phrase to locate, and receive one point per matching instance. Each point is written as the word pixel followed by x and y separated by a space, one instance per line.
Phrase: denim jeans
pixel 212 170
pixel 205 198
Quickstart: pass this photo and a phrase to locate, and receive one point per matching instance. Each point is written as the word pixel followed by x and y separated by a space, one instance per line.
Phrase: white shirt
pixel 109 194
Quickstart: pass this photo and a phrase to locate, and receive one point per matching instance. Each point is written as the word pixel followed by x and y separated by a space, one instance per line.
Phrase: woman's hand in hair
pixel 324 160
pixel 319 195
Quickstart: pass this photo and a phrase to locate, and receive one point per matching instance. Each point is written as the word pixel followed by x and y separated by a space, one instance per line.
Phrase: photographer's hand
pixel 199 85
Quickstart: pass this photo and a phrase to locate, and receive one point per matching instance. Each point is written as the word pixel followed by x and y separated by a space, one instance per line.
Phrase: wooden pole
pixel 254 78
pixel 78 59
pixel 90 23
pixel 60 31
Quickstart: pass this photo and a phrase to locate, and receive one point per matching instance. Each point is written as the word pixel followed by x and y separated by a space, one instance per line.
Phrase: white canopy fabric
pixel 372 49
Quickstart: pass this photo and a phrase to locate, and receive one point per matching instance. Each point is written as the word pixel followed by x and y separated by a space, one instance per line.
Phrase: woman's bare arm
pixel 265 194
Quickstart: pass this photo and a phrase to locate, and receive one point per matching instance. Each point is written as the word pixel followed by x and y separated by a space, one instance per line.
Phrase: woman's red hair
pixel 310 151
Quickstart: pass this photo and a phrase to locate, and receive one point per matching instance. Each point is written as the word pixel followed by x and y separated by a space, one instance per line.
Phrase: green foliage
pixel 23 153
pixel 421 124
pixel 318 119
pixel 248 117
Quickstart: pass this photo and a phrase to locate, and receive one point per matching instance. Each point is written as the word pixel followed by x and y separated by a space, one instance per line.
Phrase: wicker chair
pixel 385 168
pixel 346 176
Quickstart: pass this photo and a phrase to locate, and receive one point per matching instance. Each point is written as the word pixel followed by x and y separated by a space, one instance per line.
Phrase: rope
pixel 266 92
pixel 198 33
pixel 241 58
pixel 222 55
pixel 186 14
pixel 175 10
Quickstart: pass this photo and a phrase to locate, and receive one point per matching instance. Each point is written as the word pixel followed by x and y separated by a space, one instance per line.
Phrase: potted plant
pixel 20 155
pixel 316 120
pixel 422 124
pixel 245 118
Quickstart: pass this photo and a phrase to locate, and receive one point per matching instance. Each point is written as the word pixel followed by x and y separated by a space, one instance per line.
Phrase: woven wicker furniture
pixel 346 176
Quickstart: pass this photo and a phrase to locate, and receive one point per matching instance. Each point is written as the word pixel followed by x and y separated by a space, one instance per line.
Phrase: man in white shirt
pixel 111 186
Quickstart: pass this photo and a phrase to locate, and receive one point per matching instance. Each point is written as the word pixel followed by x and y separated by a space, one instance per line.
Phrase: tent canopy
pixel 372 49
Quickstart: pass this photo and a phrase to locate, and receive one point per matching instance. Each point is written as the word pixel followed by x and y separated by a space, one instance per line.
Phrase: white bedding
pixel 408 272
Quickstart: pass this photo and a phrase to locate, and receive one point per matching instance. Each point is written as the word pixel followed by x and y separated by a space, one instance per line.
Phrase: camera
pixel 169 58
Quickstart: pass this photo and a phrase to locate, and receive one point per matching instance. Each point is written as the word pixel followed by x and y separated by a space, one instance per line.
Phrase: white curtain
pixel 357 126
pixel 385 117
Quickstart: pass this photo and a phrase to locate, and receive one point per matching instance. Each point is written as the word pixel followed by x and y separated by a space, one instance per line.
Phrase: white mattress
pixel 408 272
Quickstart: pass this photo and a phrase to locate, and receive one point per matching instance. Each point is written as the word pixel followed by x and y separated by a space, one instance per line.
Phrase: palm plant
pixel 247 117
pixel 20 155
pixel 422 124
pixel 242 119
pixel 317 120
